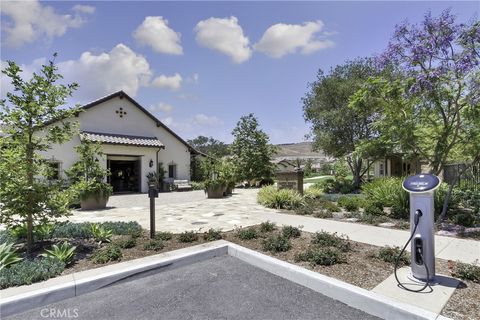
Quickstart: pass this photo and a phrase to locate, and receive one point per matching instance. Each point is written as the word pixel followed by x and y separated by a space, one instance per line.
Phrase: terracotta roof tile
pixel 111 138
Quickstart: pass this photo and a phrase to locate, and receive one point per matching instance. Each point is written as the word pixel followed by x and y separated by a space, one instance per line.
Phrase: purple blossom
pixel 435 50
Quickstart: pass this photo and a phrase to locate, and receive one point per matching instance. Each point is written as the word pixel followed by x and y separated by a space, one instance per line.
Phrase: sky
pixel 199 66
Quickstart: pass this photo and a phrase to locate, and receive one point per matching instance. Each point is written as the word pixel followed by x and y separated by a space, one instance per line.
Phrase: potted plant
pixel 87 178
pixel 215 188
pixel 228 172
pixel 215 184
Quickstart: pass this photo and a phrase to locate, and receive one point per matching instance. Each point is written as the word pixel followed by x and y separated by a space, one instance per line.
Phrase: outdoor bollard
pixel 152 194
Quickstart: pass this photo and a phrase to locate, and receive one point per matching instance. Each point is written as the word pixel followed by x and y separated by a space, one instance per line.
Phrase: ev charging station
pixel 421 188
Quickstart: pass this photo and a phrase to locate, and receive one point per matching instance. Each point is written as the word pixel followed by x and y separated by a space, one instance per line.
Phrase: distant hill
pixel 302 150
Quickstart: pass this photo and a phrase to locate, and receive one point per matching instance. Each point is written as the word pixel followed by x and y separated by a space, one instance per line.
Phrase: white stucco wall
pixel 102 118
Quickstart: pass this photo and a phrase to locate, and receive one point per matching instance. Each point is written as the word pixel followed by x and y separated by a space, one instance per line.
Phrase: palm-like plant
pixel 65 252
pixel 100 233
pixel 8 256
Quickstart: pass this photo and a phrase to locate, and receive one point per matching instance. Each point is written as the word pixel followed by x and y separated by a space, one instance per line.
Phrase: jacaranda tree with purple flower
pixel 431 110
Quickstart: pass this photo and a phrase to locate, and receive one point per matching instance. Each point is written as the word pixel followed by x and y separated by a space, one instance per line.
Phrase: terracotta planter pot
pixel 215 192
pixel 94 203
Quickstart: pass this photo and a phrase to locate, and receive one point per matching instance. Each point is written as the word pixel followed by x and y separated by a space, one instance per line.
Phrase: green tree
pixel 32 120
pixel 432 110
pixel 210 146
pixel 337 129
pixel 87 177
pixel 251 150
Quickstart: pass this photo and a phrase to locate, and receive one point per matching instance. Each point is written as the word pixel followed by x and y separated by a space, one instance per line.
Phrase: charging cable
pixel 416 220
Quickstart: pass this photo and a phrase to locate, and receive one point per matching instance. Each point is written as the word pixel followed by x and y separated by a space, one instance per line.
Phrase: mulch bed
pixel 360 269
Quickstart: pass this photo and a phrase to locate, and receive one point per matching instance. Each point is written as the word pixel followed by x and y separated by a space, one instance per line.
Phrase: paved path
pixel 181 211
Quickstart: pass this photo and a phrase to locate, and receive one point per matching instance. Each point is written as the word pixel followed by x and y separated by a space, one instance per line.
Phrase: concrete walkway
pixel 448 248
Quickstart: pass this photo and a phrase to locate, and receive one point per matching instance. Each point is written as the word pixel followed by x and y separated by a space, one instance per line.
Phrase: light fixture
pixel 151 163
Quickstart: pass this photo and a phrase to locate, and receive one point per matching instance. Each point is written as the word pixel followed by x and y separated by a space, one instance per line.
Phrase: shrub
pixel 388 192
pixel 8 255
pixel 276 243
pixel 306 209
pixel 43 231
pixel 323 214
pixel 19 231
pixel 64 252
pixel 291 232
pixel 467 271
pixel 72 230
pixel 326 239
pixel 267 226
pixel 468 198
pixel 109 253
pixel 155 245
pixel 372 219
pixel 132 228
pixel 30 271
pixel 100 233
pixel 313 193
pixel 246 234
pixel 349 203
pixel 187 236
pixel 163 235
pixel 6 237
pixel 390 254
pixel 466 219
pixel 374 209
pixel 126 242
pixel 330 206
pixel 270 197
pixel 322 256
pixel 342 186
pixel 212 235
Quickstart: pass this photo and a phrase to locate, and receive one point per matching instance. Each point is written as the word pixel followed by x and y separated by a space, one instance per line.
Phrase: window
pixel 382 169
pixel 172 171
pixel 53 170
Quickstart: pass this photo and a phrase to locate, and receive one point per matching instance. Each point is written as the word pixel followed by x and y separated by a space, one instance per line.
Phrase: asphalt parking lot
pixel 219 288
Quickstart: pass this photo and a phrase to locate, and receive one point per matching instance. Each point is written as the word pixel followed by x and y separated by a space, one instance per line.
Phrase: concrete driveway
pixel 181 211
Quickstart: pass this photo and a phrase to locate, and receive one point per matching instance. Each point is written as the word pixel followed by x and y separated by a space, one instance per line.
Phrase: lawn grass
pixel 317 179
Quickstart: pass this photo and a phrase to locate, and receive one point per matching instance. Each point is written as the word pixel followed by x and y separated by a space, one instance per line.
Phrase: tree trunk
pixel 356 169
pixel 30 198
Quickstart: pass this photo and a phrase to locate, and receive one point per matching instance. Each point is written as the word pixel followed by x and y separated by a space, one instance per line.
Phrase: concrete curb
pixel 83 282
pixel 356 297
pixel 91 280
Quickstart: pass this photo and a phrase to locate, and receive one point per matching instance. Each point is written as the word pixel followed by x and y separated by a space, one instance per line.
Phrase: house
pixel 301 153
pixel 133 140
pixel 396 165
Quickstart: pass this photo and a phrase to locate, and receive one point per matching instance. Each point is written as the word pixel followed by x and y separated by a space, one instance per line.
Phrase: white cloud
pixel 27 72
pixel 167 121
pixel 155 32
pixel 161 107
pixel 281 39
pixel 194 78
pixel 224 35
pixel 30 20
pixel 173 82
pixel 199 124
pixel 204 120
pixel 83 9
pixel 97 75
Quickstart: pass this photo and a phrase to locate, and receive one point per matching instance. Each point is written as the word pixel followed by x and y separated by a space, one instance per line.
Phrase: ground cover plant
pixel 187 236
